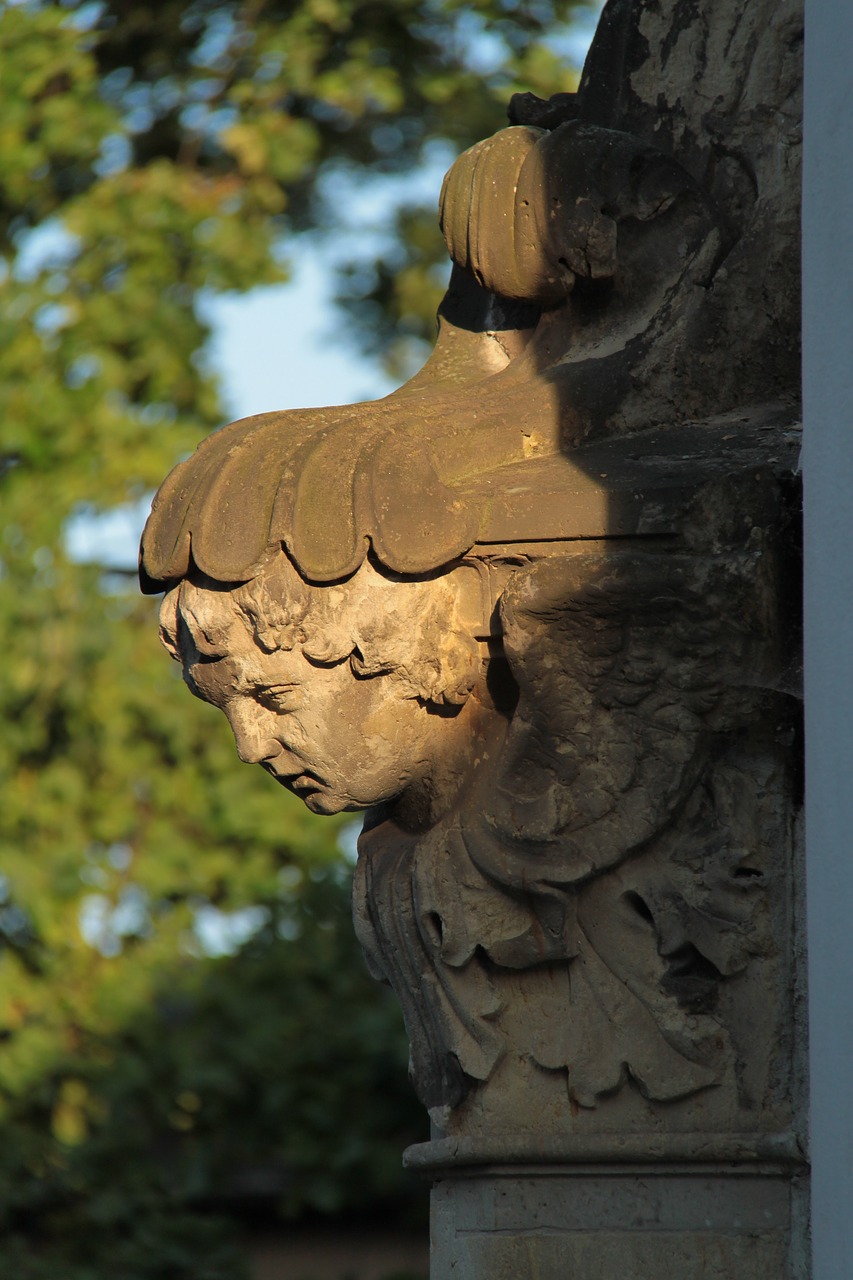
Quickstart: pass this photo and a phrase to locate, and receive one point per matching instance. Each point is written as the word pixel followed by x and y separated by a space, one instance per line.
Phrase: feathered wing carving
pixel 627 664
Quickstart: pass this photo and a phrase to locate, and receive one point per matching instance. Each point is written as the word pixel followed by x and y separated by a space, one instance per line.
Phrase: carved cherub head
pixel 346 693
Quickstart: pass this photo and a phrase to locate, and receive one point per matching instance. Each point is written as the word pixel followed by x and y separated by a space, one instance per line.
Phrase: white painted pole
pixel 828 479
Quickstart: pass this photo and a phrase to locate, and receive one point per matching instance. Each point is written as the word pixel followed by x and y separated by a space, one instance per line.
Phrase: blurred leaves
pixel 204 1086
pixel 182 1004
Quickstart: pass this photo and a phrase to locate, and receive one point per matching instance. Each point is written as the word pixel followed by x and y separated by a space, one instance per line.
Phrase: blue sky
pixel 276 348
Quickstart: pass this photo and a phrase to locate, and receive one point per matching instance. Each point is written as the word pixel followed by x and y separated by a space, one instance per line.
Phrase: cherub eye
pixel 279 697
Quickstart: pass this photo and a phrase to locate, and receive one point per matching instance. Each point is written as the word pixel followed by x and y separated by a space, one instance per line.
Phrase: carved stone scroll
pixel 536 614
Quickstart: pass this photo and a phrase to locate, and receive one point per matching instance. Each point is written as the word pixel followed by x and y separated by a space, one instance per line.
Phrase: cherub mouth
pixel 298 782
pixel 303 783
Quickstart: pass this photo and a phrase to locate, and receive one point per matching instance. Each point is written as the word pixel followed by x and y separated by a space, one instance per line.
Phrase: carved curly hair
pixel 365 620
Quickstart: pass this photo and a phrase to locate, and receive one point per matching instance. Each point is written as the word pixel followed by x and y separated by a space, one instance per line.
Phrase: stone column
pixel 537 613
pixel 617 1078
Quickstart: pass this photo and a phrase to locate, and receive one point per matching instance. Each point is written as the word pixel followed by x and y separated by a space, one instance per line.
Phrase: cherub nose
pixel 254 743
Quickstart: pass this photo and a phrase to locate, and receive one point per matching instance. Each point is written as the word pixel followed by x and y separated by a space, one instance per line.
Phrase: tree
pixel 151 152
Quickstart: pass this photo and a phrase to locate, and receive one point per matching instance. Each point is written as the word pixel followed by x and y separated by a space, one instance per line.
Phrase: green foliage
pixel 151 154
pixel 207 1082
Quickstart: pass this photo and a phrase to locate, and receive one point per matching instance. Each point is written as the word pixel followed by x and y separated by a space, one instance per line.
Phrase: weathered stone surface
pixel 625 1223
pixel 536 612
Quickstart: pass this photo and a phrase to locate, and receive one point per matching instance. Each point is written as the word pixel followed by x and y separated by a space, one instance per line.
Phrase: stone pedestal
pixel 646 1221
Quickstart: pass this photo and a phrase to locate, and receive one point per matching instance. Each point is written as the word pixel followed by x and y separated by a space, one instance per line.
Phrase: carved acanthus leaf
pixel 448 1014
pixel 599 1031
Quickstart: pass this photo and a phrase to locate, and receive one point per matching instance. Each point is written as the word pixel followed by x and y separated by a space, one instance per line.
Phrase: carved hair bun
pixel 528 211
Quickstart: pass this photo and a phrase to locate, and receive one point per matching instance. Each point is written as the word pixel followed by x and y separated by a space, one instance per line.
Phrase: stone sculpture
pixel 533 612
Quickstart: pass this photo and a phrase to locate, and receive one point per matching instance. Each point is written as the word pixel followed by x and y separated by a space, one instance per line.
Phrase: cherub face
pixel 337 730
